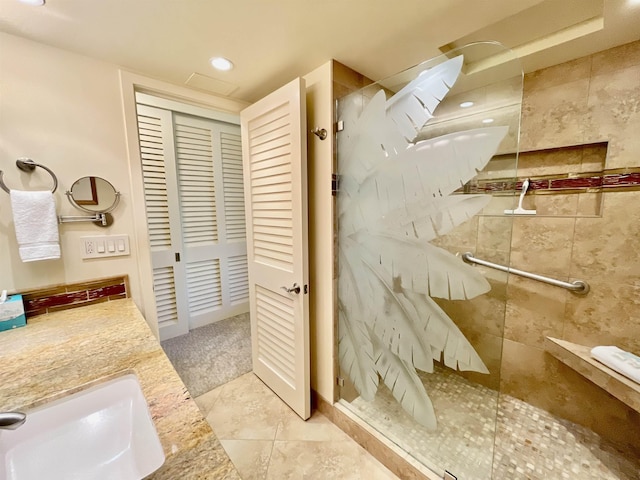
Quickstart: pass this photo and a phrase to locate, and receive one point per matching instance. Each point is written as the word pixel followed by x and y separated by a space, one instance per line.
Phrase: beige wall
pixel 76 115
pixel 319 169
pixel 592 99
pixel 64 111
pixel 324 85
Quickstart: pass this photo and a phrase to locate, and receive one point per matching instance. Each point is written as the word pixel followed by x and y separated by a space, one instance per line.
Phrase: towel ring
pixel 28 165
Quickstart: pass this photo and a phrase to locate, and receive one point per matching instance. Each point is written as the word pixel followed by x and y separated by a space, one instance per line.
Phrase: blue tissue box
pixel 12 313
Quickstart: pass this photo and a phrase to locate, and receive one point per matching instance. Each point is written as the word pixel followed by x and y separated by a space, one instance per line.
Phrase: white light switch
pixel 100 246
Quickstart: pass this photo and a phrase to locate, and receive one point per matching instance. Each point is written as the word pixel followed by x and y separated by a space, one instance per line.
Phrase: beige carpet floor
pixel 212 355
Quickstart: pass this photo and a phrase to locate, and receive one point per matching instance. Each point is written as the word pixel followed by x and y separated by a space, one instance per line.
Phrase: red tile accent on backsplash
pixel 42 300
pixel 107 291
pixel 55 300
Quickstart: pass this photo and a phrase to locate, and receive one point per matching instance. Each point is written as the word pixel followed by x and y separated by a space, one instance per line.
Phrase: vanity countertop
pixel 59 353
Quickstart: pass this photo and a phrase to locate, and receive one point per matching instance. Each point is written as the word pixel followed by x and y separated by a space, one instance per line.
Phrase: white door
pixel 208 160
pixel 275 178
pixel 157 152
pixel 192 170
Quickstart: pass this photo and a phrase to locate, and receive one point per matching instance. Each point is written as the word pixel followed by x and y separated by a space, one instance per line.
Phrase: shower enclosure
pixel 427 165
pixel 420 331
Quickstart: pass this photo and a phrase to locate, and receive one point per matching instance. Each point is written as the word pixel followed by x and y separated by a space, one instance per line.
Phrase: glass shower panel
pixel 420 331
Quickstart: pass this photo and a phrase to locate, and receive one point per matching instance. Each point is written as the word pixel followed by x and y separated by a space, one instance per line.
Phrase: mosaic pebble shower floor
pixel 530 443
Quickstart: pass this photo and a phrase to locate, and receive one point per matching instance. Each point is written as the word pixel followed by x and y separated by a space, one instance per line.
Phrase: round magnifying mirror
pixel 94 194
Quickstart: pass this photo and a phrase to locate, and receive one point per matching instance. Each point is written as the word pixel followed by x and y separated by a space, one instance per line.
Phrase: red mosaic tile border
pixel 608 180
pixel 60 297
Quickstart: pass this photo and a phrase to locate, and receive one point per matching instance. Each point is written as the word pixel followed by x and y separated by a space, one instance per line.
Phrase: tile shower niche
pixel 563 182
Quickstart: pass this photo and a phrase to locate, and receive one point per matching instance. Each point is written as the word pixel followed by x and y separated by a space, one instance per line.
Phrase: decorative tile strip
pixel 608 180
pixel 621 180
pixel 107 291
pixel 43 300
pixel 576 183
pixel 54 300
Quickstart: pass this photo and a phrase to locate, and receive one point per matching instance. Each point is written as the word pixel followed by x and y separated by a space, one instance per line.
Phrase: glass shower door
pixel 426 164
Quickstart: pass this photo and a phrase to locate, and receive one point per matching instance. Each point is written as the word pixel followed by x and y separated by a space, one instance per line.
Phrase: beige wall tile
pixel 460 239
pixel 554 117
pixel 501 166
pixel 608 247
pixel 560 204
pixel 489 348
pixel 594 157
pixel 534 310
pixel 616 58
pixel 567 72
pixel 550 162
pixel 589 204
pixel 500 203
pixel 347 77
pixel 494 233
pixel 614 106
pixel 483 314
pixel 608 315
pixel 542 245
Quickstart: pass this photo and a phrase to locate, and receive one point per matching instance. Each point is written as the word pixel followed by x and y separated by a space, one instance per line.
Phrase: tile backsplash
pixel 61 297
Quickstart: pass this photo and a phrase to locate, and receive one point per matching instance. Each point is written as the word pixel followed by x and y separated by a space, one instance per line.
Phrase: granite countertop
pixel 60 353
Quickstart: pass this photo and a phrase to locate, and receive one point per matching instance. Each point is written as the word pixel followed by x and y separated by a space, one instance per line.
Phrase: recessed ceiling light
pixel 466 104
pixel 221 63
pixel 487 120
pixel 37 3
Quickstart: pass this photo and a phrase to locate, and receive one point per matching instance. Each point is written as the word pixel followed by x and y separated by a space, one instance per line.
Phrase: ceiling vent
pixel 211 85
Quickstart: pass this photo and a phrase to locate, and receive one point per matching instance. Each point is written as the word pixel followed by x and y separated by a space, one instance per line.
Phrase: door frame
pixel 221 108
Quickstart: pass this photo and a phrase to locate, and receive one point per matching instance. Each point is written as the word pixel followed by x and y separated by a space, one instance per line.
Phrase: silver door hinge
pixel 335 184
pixel 340 381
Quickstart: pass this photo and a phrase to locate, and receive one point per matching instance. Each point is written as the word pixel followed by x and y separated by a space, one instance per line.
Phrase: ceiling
pixel 272 41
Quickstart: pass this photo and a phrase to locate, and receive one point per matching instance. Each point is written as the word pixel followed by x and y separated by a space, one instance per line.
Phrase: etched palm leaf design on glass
pixel 395 197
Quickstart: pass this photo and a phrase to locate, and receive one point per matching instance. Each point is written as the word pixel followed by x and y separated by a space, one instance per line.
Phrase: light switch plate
pixel 102 246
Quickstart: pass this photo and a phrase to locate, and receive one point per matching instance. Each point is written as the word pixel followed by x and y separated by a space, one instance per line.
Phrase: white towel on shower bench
pixel 622 362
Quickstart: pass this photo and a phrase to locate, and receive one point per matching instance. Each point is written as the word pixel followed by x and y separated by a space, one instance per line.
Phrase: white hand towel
pixel 622 362
pixel 36 224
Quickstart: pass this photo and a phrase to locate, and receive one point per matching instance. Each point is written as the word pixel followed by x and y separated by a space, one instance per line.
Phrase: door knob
pixel 295 289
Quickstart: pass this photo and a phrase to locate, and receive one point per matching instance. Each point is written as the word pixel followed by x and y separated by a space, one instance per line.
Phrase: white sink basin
pixel 103 432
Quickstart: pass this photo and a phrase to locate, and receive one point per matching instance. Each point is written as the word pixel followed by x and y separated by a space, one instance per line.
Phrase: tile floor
pixel 267 441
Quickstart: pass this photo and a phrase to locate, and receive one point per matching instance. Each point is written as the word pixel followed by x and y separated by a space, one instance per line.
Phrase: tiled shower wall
pixel 585 101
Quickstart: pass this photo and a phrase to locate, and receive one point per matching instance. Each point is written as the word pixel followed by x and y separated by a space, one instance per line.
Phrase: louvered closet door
pixel 194 196
pixel 158 165
pixel 209 169
pixel 274 150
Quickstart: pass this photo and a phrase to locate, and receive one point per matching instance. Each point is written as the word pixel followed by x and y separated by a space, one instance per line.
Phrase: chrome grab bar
pixel 577 286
